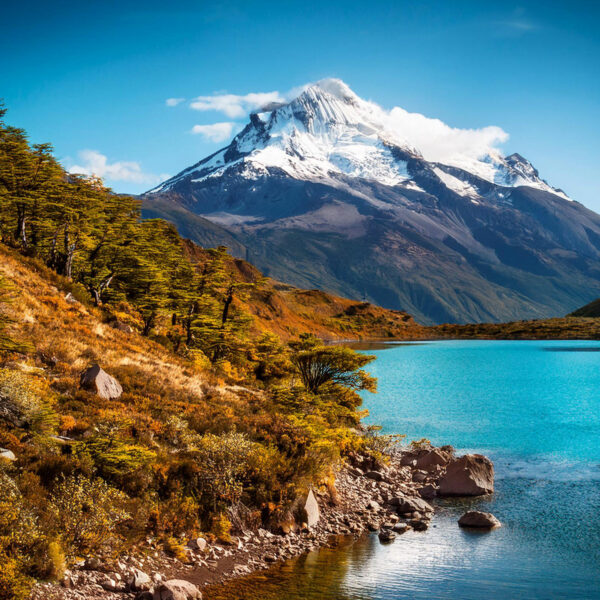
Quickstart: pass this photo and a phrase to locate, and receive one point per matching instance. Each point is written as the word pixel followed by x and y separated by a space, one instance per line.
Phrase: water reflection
pixel 444 563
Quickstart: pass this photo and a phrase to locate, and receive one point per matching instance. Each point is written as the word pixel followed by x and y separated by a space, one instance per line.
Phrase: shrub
pixel 175 548
pixel 56 560
pixel 14 585
pixel 25 401
pixel 224 460
pixel 221 527
pixel 120 461
pixel 86 513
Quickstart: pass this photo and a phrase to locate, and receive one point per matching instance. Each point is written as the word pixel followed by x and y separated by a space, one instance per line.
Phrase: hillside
pixel 589 310
pixel 140 397
pixel 560 328
pixel 288 311
pixel 325 192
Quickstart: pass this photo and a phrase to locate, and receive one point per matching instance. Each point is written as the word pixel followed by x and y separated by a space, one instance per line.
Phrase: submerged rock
pixel 100 382
pixel 482 520
pixel 469 475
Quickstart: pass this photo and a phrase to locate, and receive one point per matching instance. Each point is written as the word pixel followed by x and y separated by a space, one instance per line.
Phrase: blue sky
pixel 96 76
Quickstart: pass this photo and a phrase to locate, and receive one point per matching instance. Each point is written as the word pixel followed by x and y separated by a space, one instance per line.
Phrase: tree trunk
pixel 226 305
pixel 21 231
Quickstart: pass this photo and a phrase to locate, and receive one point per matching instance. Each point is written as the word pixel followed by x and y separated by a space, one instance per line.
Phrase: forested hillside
pixel 216 423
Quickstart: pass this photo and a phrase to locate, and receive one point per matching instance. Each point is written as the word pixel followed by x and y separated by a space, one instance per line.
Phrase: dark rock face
pixel 101 383
pixel 520 253
pixel 482 520
pixel 469 475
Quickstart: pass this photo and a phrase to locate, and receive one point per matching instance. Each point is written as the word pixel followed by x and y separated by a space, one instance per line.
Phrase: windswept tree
pixel 332 370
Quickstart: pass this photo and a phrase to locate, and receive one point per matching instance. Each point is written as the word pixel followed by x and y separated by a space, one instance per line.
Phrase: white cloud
pixel 235 106
pixel 440 142
pixel 174 101
pixel 436 140
pixel 95 163
pixel 216 132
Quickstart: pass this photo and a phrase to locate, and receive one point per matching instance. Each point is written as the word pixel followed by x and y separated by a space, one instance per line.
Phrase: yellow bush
pixel 14 585
pixel 26 401
pixel 221 528
pixel 56 560
pixel 175 548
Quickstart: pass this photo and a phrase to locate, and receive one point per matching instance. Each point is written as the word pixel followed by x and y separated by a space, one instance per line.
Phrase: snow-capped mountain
pixel 327 190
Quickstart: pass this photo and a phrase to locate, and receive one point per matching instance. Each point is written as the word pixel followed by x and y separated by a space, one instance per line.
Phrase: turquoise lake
pixel 531 406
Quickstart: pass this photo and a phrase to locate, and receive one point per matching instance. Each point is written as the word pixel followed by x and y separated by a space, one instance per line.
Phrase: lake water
pixel 534 408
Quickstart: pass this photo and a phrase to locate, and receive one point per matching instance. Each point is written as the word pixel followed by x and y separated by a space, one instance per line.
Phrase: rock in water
pixel 311 507
pixel 386 536
pixel 177 589
pixel 483 520
pixel 99 381
pixel 469 475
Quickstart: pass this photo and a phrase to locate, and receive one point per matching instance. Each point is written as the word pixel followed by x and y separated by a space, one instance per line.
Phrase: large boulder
pixel 482 520
pixel 410 504
pixel 177 589
pixel 433 458
pixel 311 509
pixel 469 475
pixel 101 383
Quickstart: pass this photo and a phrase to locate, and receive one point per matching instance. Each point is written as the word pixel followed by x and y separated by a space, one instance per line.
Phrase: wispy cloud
pixel 517 24
pixel 235 106
pixel 216 132
pixel 174 101
pixel 96 163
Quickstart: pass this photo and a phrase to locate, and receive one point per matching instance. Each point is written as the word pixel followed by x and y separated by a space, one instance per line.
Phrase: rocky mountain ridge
pixel 323 192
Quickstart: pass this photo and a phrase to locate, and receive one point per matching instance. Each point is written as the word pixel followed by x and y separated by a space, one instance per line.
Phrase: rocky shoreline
pixel 368 496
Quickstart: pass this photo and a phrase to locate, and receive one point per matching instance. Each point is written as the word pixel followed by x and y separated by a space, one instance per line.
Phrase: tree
pixel 215 324
pixel 319 366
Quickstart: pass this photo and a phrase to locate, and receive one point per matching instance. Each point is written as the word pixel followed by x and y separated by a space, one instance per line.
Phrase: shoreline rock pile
pixel 388 499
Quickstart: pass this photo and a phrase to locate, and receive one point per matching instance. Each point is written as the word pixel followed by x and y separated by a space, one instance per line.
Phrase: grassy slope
pixel 75 335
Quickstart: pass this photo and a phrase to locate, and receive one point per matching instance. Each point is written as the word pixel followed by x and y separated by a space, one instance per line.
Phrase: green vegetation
pixel 216 421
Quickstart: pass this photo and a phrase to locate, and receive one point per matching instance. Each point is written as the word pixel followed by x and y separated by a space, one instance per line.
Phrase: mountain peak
pixel 337 88
pixel 327 131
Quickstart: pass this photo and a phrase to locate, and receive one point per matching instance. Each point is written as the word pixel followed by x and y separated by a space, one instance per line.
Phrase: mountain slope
pixel 589 310
pixel 325 192
pixel 288 311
